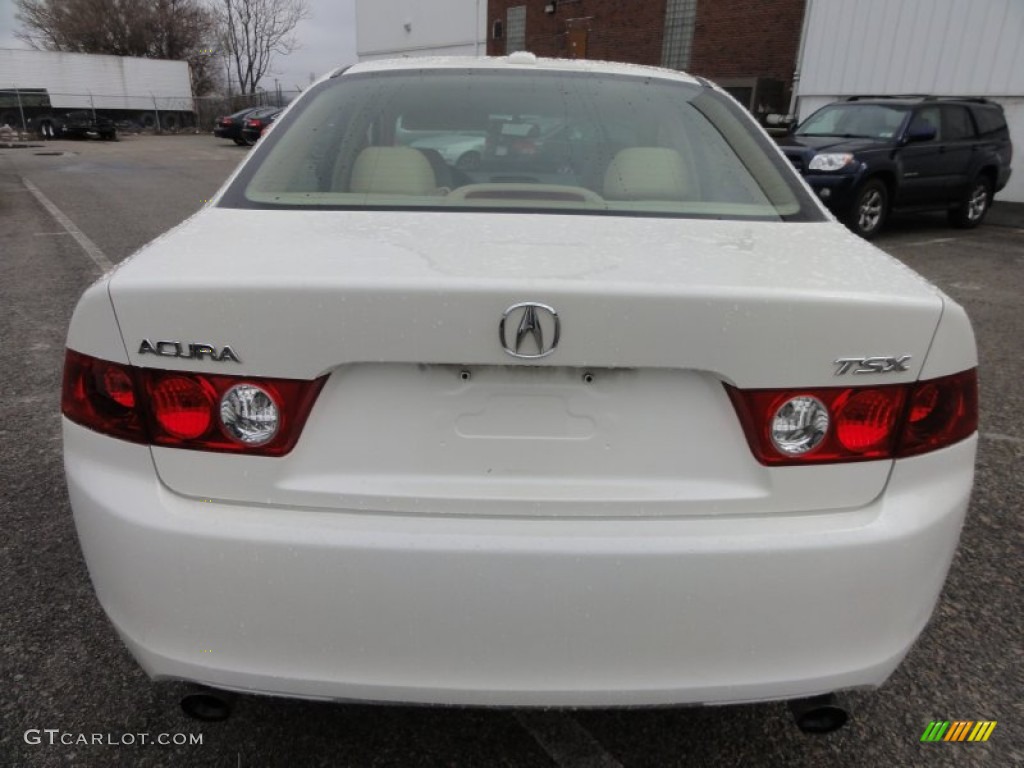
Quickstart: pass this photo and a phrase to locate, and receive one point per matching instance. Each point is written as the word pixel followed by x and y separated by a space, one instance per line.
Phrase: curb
pixel 1005 214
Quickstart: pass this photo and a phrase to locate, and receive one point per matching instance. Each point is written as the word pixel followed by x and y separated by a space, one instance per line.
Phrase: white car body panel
pixel 459 526
pixel 649 306
pixel 518 612
pixel 632 293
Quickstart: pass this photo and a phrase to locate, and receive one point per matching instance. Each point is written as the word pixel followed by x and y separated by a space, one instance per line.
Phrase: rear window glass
pixel 990 121
pixel 956 123
pixel 541 141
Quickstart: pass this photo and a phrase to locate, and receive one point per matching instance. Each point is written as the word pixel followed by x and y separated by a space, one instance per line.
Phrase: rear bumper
pixel 571 612
pixel 1003 177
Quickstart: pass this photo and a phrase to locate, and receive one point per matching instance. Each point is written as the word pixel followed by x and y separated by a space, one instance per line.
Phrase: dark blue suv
pixel 867 156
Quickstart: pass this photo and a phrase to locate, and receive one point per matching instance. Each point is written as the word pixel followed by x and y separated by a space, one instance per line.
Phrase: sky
pixel 327 39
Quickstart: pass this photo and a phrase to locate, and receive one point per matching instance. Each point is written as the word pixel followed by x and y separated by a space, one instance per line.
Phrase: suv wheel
pixel 870 209
pixel 974 205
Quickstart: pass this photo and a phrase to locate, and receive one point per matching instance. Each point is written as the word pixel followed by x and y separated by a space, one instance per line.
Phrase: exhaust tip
pixel 819 714
pixel 207 706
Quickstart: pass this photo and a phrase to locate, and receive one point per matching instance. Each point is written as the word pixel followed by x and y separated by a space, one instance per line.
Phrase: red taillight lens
pixel 182 406
pixel 118 385
pixel 942 412
pixel 185 410
pixel 866 419
pixel 862 422
pixel 102 396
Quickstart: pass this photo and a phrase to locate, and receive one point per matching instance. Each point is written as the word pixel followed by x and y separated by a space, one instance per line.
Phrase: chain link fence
pixel 28 111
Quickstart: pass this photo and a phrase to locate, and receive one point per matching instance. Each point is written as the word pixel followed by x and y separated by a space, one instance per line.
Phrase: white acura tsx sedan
pixel 618 415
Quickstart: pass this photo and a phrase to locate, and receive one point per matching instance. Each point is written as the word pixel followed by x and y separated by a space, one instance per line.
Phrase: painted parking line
pixel 932 241
pixel 1000 438
pixel 92 250
pixel 567 742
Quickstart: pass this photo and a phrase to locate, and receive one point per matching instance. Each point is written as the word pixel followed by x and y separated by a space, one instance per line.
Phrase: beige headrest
pixel 648 173
pixel 393 171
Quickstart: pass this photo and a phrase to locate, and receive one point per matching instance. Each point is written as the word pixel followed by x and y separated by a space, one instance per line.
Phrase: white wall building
pixel 395 28
pixel 936 47
pixel 96 81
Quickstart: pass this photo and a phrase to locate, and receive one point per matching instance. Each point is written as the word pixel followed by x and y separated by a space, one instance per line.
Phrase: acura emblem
pixel 529 330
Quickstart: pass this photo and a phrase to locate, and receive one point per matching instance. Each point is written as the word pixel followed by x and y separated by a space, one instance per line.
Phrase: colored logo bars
pixel 958 730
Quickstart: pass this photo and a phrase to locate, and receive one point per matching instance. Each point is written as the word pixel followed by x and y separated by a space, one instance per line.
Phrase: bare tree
pixel 254 31
pixel 156 29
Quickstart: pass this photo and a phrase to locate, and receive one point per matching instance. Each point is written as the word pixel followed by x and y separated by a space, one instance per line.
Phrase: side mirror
pixel 920 131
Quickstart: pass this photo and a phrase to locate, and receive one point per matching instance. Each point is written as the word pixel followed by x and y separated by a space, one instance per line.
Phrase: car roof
pixel 913 101
pixel 519 61
pixel 877 102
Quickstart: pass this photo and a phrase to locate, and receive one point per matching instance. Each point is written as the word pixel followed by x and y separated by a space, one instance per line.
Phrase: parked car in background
pixel 78 124
pixel 83 124
pixel 255 124
pixel 462 150
pixel 620 417
pixel 231 126
pixel 867 157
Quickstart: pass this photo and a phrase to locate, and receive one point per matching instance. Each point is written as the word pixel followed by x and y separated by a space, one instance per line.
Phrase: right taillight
pixel 178 409
pixel 840 424
pixel 940 412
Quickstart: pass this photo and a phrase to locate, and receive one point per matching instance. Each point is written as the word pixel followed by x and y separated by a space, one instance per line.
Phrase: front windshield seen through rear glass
pixel 855 121
pixel 545 141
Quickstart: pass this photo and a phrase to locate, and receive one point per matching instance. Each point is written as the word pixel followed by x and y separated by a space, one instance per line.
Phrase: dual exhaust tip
pixel 818 714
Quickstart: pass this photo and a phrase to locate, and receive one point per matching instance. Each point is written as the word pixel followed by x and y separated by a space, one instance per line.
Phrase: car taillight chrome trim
pixel 865 423
pixel 179 409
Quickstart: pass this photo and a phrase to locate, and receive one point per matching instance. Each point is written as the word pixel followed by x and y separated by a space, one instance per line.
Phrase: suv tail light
pixel 236 414
pixel 834 424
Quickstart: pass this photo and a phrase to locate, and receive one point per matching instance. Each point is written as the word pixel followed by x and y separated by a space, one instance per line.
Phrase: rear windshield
pixel 990 120
pixel 539 141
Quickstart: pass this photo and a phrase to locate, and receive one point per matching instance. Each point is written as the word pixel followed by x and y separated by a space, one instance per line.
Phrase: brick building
pixel 747 46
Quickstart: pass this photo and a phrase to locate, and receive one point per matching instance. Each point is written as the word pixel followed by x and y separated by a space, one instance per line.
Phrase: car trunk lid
pixel 424 410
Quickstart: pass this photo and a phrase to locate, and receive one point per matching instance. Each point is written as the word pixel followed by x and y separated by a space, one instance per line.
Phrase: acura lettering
pixel 190 351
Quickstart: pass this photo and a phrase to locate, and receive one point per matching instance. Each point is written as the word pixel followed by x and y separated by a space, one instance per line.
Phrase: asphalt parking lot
pixel 67 208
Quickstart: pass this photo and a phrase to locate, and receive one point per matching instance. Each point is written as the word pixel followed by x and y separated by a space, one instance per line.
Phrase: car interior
pixel 548 147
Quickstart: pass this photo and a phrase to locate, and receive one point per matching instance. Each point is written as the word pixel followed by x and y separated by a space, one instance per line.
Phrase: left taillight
pixel 178 409
pixel 102 396
pixel 839 424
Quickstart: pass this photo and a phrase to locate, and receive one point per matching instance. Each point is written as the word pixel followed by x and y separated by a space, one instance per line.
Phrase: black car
pixel 230 126
pixel 255 124
pixel 80 124
pixel 865 157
